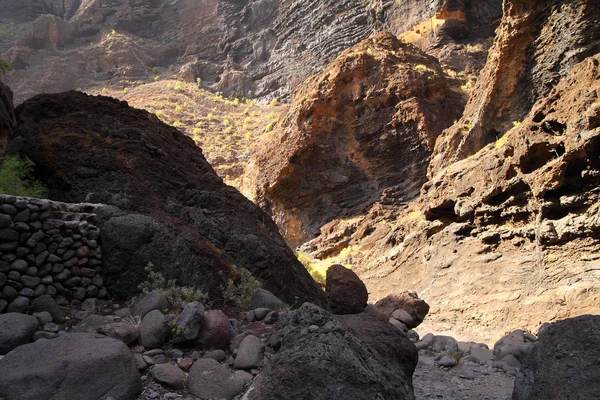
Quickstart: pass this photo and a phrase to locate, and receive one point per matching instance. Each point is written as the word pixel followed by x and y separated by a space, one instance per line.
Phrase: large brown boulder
pixel 407 301
pixel 346 293
pixel 366 123
pixel 173 210
pixel 7 116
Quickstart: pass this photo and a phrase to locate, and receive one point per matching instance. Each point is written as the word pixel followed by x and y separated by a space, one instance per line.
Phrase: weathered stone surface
pixel 7 124
pixel 123 331
pixel 262 298
pixel 210 380
pixel 366 123
pixel 16 330
pixel 390 344
pixel 250 353
pixel 20 304
pixel 150 224
pixel 91 323
pixel 152 301
pixel 517 343
pixel 215 330
pixel 564 363
pixel 47 303
pixel 70 367
pixel 169 375
pixel 407 301
pixel 154 330
pixel 189 323
pixel 346 293
pixel 330 357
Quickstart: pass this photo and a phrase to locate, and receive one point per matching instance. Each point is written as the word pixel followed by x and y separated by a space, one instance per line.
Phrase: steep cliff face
pixel 366 123
pixel 508 236
pixel 258 49
pixel 528 59
pixel 245 49
pixel 97 149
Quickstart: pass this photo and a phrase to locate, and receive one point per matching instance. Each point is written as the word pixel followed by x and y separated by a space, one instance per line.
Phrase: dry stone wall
pixel 48 247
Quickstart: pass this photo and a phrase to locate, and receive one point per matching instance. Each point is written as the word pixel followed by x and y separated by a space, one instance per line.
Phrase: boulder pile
pixel 209 354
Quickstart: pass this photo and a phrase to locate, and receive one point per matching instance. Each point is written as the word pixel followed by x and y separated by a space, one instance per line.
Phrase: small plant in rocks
pixel 239 287
pixel 155 281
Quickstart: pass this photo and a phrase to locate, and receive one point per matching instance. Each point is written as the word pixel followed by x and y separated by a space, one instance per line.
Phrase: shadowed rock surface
pixel 564 363
pixel 7 116
pixel 177 213
pixel 77 366
pixel 313 347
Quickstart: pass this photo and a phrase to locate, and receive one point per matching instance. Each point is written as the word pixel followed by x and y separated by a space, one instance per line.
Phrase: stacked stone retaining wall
pixel 48 247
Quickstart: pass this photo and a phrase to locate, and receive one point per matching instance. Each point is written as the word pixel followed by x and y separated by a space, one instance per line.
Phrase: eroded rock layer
pixel 537 45
pixel 508 236
pixel 365 124
pixel 243 48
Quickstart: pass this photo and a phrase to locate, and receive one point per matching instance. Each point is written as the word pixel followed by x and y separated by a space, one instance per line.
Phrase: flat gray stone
pixel 154 330
pixel 124 331
pixel 250 353
pixel 169 375
pixel 15 330
pixel 152 301
pixel 208 379
pixel 75 367
pixel 447 361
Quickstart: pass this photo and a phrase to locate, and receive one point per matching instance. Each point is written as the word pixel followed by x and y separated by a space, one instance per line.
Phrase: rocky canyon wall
pixel 505 233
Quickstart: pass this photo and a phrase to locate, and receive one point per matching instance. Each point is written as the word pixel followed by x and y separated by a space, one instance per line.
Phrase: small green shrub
pixel 16 179
pixel 4 65
pixel 199 82
pixel 155 281
pixel 238 290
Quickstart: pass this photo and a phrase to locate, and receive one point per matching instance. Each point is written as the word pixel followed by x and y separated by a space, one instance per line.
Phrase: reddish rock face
pixel 346 293
pixel 365 124
pixel 527 60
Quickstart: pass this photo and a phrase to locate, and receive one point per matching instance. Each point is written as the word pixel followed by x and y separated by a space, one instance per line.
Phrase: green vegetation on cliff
pixel 16 179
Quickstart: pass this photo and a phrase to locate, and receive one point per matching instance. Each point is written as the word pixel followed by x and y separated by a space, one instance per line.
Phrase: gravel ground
pixel 433 382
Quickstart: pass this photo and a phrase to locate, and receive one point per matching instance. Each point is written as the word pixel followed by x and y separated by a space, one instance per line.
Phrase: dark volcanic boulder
pixel 385 339
pixel 564 364
pixel 7 115
pixel 320 358
pixel 78 366
pixel 176 212
pixel 346 293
